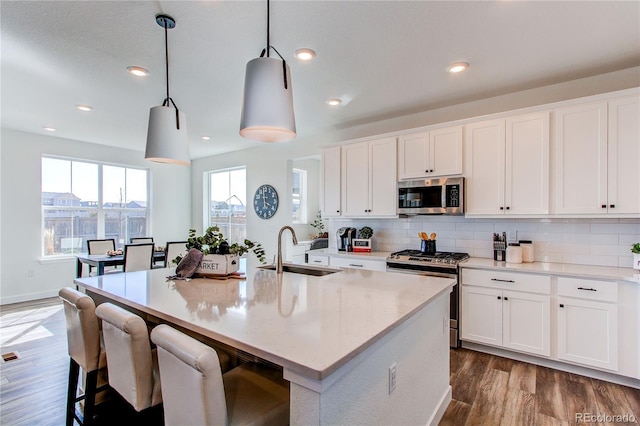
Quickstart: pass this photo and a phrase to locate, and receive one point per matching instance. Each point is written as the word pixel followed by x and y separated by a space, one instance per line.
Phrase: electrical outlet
pixel 512 235
pixel 392 378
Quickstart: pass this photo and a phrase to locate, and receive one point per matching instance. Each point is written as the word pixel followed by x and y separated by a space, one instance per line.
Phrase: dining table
pixel 99 261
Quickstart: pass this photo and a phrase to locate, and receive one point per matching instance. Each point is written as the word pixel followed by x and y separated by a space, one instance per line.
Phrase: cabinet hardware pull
pixel 502 281
pixel 587 289
pixel 613 206
pixel 562 305
pixel 501 208
pixel 499 298
pixel 604 206
pixel 506 298
pixel 508 207
pixel 356 266
pixel 337 211
pixel 318 261
pixel 431 171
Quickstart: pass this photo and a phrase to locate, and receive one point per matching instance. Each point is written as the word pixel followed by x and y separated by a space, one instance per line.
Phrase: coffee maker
pixel 344 238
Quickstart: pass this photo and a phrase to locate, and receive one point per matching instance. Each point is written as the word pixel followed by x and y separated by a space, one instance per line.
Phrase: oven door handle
pixel 502 281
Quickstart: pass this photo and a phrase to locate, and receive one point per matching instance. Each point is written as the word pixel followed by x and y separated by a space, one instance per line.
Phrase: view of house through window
pixel 85 201
pixel 227 203
pixel 299 196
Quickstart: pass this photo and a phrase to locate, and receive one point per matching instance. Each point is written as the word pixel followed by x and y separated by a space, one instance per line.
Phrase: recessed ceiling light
pixel 84 107
pixel 206 138
pixel 49 129
pixel 138 71
pixel 334 102
pixel 305 54
pixel 457 67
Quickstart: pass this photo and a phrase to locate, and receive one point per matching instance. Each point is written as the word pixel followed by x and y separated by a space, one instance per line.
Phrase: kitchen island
pixel 339 338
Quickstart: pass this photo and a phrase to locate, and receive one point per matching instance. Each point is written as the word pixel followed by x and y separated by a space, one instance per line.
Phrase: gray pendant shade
pixel 165 142
pixel 267 107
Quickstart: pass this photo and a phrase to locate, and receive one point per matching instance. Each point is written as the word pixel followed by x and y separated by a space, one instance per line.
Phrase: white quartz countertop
pixel 310 325
pixel 563 269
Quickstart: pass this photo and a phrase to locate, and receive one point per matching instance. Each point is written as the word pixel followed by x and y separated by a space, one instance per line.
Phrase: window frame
pixel 302 198
pixel 100 210
pixel 207 199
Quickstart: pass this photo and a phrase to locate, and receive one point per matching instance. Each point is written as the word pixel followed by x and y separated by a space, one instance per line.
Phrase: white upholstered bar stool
pixel 134 367
pixel 195 392
pixel 85 351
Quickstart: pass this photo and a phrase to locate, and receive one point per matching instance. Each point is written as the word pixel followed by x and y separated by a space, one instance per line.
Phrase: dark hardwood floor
pixel 487 390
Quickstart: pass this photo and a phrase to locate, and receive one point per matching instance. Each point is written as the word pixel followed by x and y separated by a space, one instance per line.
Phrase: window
pixel 84 201
pixel 299 196
pixel 227 200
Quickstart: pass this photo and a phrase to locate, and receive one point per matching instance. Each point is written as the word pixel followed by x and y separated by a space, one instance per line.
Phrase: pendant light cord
pixel 269 47
pixel 168 99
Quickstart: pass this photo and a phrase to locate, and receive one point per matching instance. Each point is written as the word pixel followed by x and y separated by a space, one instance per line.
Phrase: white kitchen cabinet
pixel 330 192
pixel 431 153
pixel 587 331
pixel 507 166
pixel 369 179
pixel 318 260
pixel 597 152
pixel 357 263
pixel 495 310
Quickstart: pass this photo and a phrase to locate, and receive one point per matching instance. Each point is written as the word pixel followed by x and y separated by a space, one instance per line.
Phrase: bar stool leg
pixel 90 397
pixel 74 370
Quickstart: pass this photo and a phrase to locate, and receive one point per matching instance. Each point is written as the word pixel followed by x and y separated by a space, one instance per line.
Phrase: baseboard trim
pixel 28 297
pixel 442 407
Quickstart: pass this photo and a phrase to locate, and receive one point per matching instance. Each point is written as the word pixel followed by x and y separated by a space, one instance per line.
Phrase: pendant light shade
pixel 267 106
pixel 267 109
pixel 167 132
pixel 165 142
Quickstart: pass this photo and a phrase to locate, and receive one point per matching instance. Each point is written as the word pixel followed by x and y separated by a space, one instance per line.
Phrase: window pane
pixel 84 183
pixel 299 196
pixel 227 201
pixel 67 231
pixel 113 186
pixel 136 188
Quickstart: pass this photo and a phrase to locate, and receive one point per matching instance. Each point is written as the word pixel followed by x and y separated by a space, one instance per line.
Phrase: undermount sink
pixel 301 269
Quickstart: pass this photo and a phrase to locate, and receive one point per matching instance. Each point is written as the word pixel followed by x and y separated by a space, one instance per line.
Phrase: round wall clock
pixel 265 201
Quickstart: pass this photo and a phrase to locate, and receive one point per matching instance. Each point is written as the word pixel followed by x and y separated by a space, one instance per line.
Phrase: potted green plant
pixel 635 249
pixel 220 257
pixel 318 225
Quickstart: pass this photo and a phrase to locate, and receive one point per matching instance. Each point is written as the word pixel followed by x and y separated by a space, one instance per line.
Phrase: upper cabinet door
pixel 331 172
pixel 624 156
pixel 433 153
pixel 355 179
pixel 445 151
pixel 383 190
pixel 484 147
pixel 527 164
pixel 581 159
pixel 413 155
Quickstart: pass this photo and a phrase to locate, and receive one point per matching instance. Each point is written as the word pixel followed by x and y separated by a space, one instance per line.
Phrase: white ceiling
pixel 383 58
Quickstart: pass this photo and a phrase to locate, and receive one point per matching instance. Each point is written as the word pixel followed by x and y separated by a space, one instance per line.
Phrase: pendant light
pixel 267 107
pixel 167 134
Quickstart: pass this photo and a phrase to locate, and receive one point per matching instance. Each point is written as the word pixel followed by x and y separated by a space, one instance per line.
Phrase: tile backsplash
pixel 604 242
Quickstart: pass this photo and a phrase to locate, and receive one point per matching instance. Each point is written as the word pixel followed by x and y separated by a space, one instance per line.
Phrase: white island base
pixel 358 393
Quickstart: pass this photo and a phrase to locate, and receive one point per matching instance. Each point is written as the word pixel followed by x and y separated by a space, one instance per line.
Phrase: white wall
pixel 20 209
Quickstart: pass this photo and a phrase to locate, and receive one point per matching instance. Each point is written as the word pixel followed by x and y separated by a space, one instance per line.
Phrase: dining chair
pixel 100 247
pixel 85 351
pixel 138 257
pixel 173 250
pixel 195 392
pixel 141 240
pixel 133 371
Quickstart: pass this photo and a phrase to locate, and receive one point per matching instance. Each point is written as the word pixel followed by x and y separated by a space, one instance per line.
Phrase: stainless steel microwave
pixel 431 196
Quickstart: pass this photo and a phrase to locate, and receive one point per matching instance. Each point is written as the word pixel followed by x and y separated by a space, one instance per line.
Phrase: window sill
pixel 57 259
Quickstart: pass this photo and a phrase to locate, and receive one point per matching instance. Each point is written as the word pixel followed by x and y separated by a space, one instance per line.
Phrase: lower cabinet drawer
pixel 507 280
pixel 604 291
pixel 371 265
pixel 318 260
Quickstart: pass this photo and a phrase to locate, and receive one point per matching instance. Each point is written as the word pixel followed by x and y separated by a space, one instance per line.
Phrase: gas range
pixel 441 259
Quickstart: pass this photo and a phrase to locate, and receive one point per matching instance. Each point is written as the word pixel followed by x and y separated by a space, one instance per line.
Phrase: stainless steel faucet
pixel 295 242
